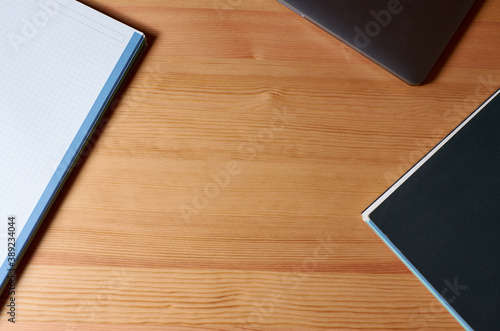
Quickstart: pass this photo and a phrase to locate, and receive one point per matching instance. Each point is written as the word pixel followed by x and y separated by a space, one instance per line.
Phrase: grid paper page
pixel 56 56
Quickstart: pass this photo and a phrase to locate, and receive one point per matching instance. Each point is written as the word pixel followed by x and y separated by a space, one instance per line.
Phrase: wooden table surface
pixel 224 190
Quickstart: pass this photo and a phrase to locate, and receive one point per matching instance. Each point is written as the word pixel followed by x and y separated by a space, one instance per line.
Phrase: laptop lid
pixel 403 36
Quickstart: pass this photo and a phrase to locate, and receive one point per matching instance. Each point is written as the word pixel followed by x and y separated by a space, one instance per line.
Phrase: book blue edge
pixel 420 277
pixel 78 143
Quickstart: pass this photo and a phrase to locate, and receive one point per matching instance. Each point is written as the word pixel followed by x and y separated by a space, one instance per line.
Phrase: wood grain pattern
pixel 224 190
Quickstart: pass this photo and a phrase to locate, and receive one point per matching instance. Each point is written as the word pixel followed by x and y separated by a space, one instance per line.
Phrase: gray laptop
pixel 406 37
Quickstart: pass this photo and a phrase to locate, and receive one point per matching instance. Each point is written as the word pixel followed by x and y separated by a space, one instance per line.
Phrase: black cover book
pixel 441 219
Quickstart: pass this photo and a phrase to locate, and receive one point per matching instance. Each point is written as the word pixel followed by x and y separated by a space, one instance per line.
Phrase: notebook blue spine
pixel 114 81
pixel 424 218
pixel 419 276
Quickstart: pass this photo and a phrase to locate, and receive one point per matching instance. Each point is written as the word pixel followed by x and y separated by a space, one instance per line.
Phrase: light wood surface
pixel 224 189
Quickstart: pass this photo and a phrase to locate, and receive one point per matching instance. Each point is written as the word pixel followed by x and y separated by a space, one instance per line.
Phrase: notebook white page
pixel 55 58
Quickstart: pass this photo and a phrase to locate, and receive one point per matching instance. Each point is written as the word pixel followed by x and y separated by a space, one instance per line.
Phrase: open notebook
pixel 62 62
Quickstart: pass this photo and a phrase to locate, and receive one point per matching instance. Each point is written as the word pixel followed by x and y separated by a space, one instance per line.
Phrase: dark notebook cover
pixel 440 219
